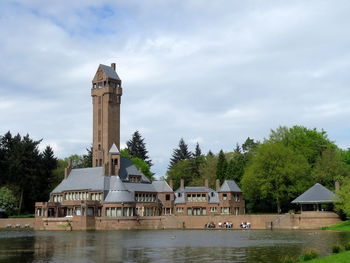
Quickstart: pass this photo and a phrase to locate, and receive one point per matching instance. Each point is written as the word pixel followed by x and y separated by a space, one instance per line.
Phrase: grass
pixel 343 257
pixel 23 216
pixel 343 226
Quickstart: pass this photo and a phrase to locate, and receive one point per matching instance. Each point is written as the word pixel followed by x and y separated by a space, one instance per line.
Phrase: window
pixel 179 209
pixel 99 117
pixel 39 212
pixel 237 197
pixel 189 211
pixel 236 211
pixel 213 209
pixel 225 210
pixel 224 196
pixel 167 197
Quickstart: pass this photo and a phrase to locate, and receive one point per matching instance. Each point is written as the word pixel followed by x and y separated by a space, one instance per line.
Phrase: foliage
pixel 275 172
pixel 347 246
pixel 336 249
pixel 137 148
pixel 343 198
pixel 343 257
pixel 8 201
pixel 288 259
pixel 309 254
pixel 308 142
pixel 180 170
pixel 221 167
pixel 179 154
pixel 139 163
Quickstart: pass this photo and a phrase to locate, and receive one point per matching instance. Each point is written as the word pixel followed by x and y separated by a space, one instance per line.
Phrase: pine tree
pixel 45 183
pixel 198 151
pixel 87 158
pixel 137 148
pixel 210 153
pixel 181 153
pixel 221 167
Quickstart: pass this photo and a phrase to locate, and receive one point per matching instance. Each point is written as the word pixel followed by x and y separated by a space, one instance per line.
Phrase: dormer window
pixel 134 178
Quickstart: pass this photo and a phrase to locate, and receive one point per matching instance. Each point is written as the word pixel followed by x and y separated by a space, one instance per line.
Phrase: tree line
pixel 270 173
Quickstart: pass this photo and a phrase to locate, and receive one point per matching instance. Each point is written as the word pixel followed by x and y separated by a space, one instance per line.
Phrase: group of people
pixel 245 225
pixel 225 225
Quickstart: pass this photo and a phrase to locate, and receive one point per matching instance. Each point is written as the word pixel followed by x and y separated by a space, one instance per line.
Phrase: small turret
pixel 114 160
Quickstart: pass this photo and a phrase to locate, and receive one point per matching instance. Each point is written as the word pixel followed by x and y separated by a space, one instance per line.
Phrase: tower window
pixel 115 161
pixel 99 115
pixel 99 147
pixel 99 136
pixel 100 162
pixel 96 162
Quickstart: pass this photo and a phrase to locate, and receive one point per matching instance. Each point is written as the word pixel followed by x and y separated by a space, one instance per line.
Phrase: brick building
pixel 114 187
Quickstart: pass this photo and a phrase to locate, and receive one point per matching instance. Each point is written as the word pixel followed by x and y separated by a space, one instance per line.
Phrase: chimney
pixel 171 184
pixel 68 169
pixel 182 184
pixel 206 183
pixel 217 184
pixel 113 66
pixel 337 186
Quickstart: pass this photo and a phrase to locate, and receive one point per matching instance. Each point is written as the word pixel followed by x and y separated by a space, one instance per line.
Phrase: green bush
pixel 347 246
pixel 336 249
pixel 309 254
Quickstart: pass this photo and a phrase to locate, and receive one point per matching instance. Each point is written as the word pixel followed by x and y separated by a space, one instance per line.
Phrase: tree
pixel 308 142
pixel 179 154
pixel 87 158
pixel 221 167
pixel 276 172
pixel 180 170
pixel 329 168
pixel 210 153
pixel 8 201
pixel 342 204
pixel 197 151
pixel 137 147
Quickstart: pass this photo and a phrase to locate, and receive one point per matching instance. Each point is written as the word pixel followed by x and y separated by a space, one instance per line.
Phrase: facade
pixel 114 187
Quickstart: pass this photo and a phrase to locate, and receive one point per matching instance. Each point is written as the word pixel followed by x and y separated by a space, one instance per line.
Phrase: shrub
pixel 309 254
pixel 336 249
pixel 347 246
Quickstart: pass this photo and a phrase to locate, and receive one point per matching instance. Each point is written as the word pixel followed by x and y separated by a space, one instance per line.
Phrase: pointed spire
pixel 114 149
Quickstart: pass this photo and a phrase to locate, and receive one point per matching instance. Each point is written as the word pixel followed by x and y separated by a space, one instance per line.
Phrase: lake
pixel 163 245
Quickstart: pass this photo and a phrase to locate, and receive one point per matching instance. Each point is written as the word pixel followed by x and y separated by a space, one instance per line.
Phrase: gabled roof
pixel 82 179
pixel 140 187
pixel 162 186
pixel 128 168
pixel 315 194
pixel 110 72
pixel 114 149
pixel 119 197
pixel 230 186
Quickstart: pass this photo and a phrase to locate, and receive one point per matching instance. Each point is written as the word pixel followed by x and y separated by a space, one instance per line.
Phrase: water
pixel 163 245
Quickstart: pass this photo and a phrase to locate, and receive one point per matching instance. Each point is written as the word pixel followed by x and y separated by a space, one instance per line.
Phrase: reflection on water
pixel 163 245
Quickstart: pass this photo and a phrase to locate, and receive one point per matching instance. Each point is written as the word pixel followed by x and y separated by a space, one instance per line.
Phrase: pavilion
pixel 314 198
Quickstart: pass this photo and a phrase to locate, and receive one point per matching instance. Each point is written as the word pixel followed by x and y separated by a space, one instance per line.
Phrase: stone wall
pixel 310 220
pixel 17 222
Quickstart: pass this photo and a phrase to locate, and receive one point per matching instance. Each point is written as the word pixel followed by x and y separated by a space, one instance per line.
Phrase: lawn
pixel 343 226
pixel 343 257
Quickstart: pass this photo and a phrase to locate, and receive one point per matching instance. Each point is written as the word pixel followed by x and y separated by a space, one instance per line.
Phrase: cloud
pixel 214 73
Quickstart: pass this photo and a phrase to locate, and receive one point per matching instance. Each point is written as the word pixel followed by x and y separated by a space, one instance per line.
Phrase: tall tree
pixel 277 173
pixel 87 158
pixel 221 167
pixel 179 154
pixel 137 147
pixel 197 151
pixel 197 160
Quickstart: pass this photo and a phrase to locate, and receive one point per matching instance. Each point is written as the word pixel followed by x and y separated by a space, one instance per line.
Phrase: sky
pixel 212 72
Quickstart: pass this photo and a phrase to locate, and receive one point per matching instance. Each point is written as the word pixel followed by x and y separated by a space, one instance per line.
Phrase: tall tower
pixel 106 95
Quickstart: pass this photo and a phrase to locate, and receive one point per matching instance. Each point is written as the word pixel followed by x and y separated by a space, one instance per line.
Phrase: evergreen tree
pixel 46 181
pixel 210 153
pixel 221 167
pixel 198 151
pixel 181 153
pixel 137 148
pixel 87 158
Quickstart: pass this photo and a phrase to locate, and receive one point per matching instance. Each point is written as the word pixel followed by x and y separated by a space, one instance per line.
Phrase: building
pixel 114 187
pixel 316 198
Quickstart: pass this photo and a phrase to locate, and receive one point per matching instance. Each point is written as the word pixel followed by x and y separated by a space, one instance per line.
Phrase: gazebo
pixel 316 195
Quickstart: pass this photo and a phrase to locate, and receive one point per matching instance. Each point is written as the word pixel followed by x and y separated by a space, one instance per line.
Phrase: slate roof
pixel 315 194
pixel 162 186
pixel 118 193
pixel 82 179
pixel 138 187
pixel 230 186
pixel 194 189
pixel 110 72
pixel 114 149
pixel 128 168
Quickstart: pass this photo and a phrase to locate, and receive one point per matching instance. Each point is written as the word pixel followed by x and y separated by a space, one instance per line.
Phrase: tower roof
pixel 114 149
pixel 109 71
